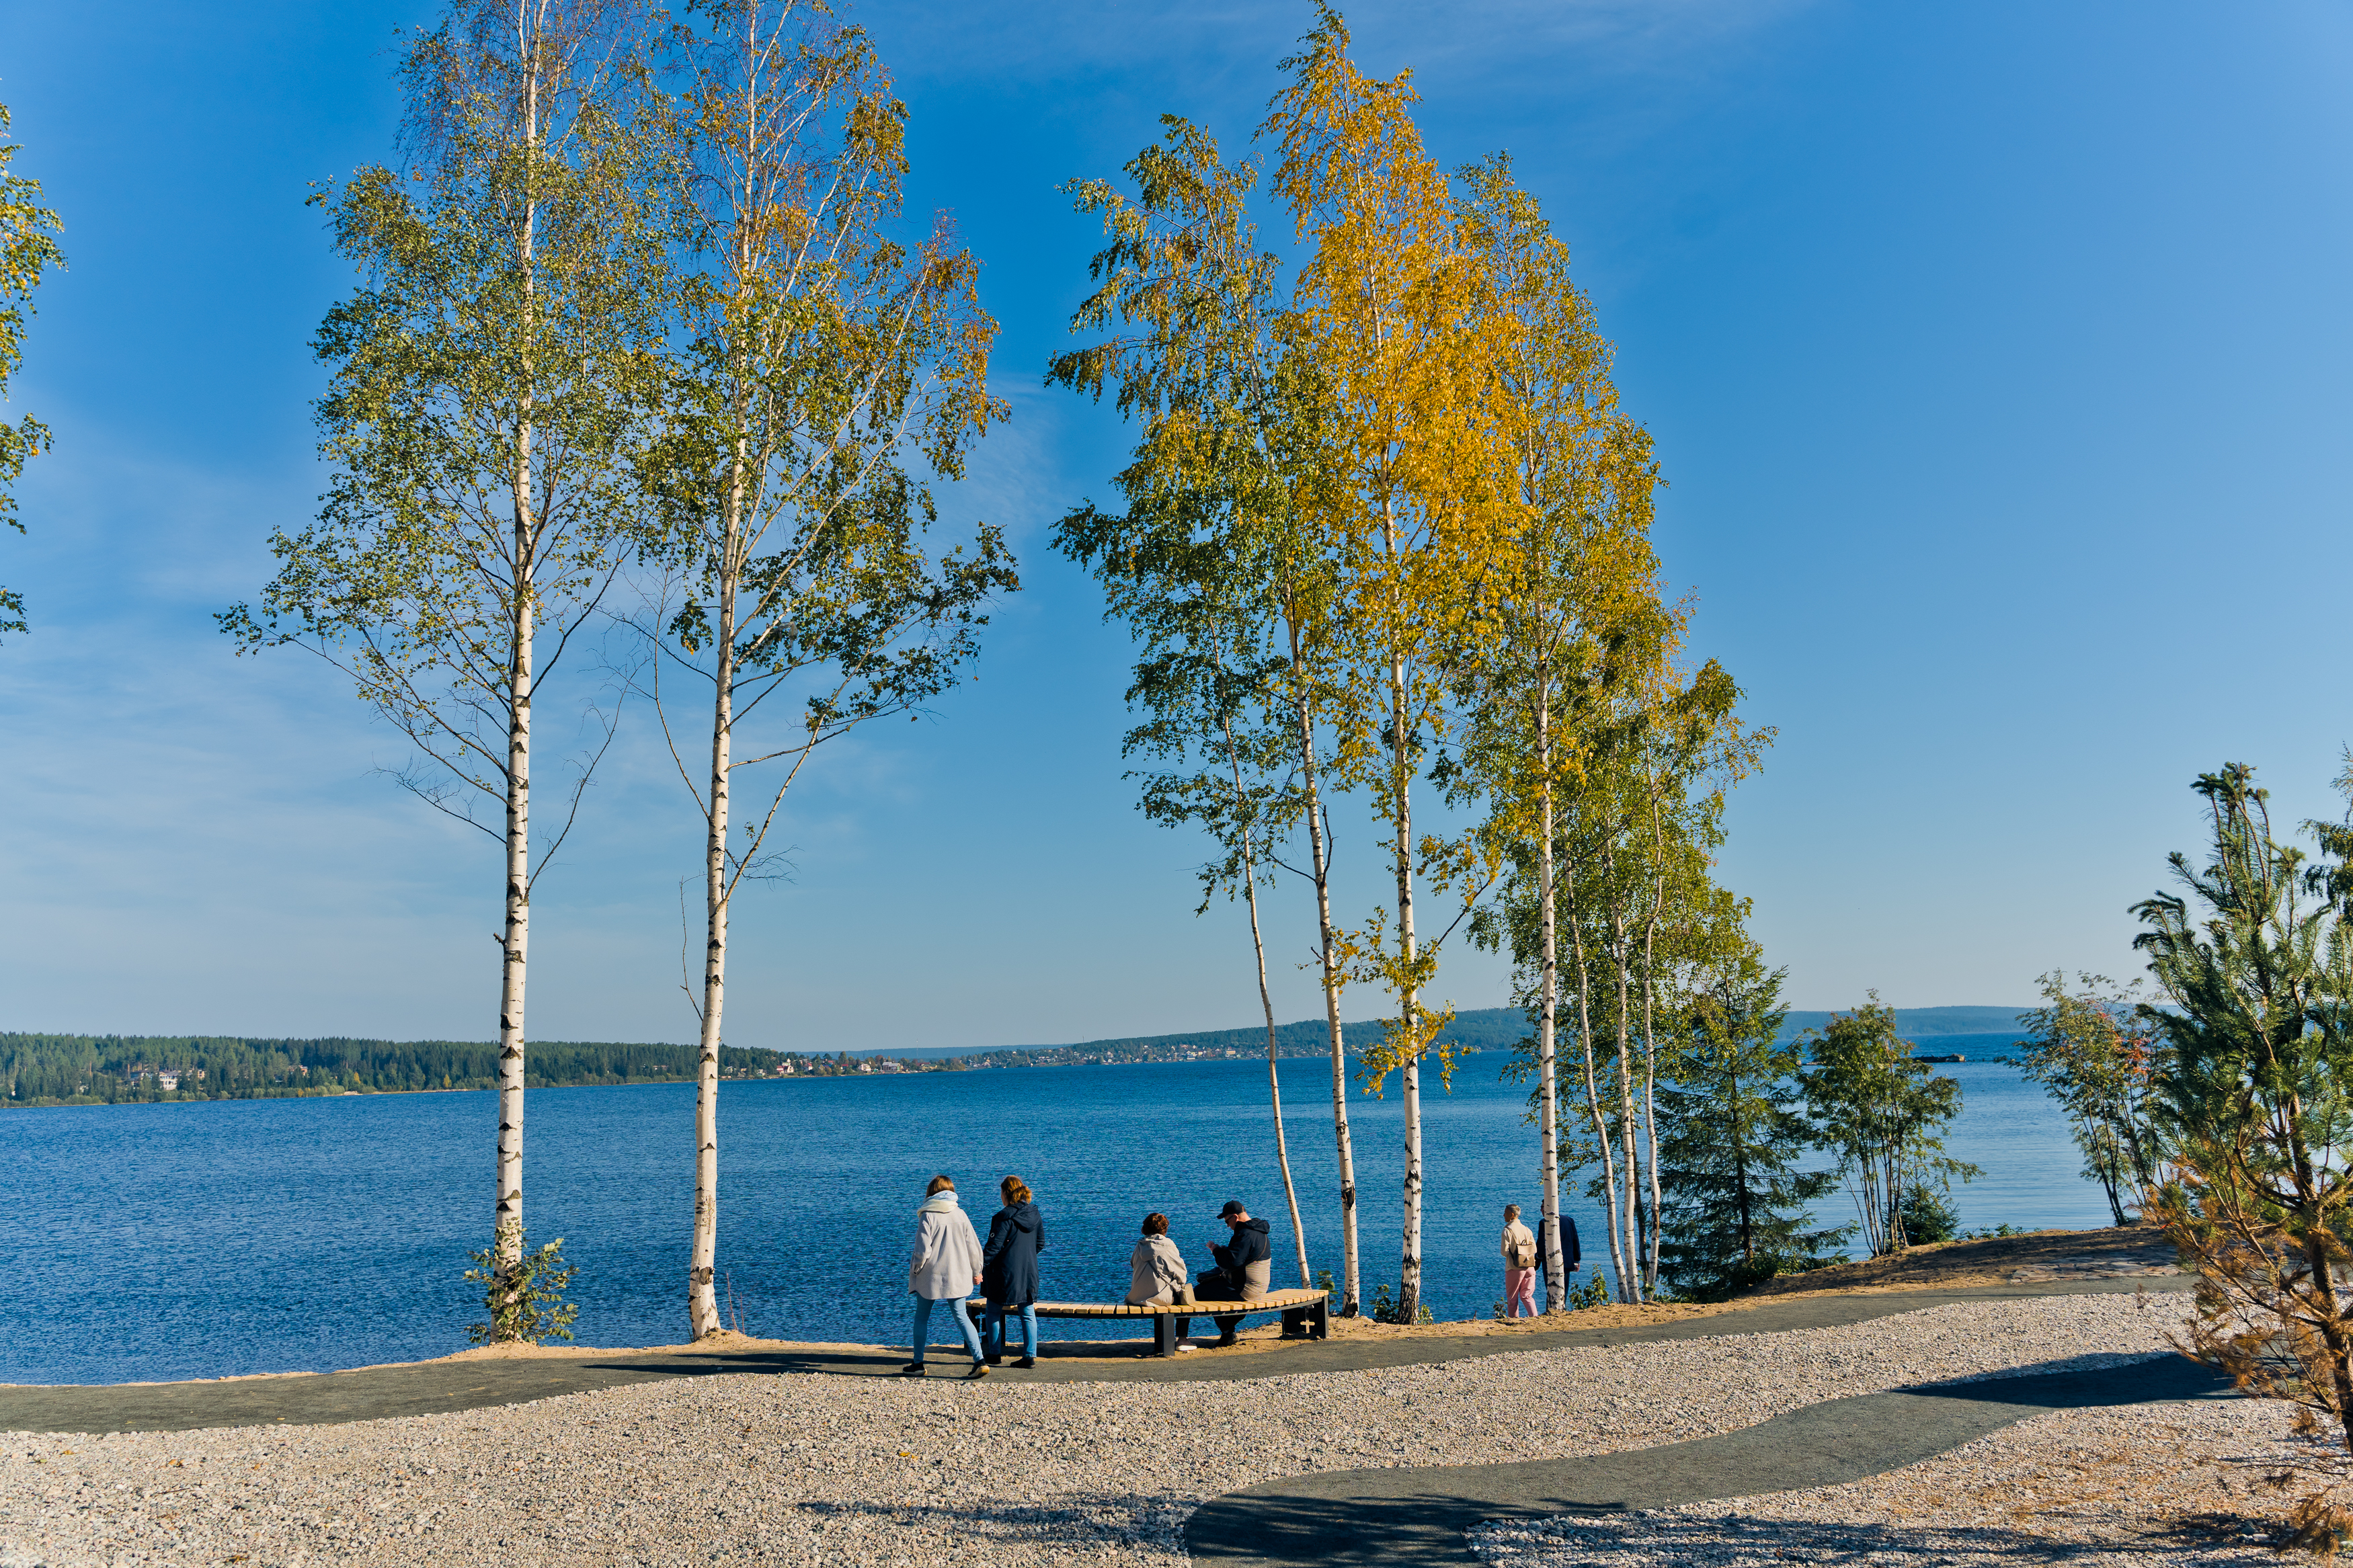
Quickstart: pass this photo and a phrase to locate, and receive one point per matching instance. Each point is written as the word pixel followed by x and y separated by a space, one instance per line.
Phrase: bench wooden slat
pixel 1273 1300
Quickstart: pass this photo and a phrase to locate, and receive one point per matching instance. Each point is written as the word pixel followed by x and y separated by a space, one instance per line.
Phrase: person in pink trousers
pixel 1519 1265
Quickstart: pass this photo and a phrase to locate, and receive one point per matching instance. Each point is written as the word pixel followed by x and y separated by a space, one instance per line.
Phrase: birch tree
pixel 818 358
pixel 1217 552
pixel 481 422
pixel 2094 1053
pixel 1883 1114
pixel 1642 913
pixel 28 249
pixel 1386 306
pixel 1570 581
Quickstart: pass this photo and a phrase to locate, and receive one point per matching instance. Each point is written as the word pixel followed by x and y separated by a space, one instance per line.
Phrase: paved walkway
pixel 425 1388
pixel 1415 1518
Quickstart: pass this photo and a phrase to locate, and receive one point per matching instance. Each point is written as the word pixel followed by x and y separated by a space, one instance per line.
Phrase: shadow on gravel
pixel 1734 1542
pixel 2165 1377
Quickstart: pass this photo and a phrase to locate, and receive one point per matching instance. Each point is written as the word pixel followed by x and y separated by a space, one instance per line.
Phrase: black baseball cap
pixel 1233 1207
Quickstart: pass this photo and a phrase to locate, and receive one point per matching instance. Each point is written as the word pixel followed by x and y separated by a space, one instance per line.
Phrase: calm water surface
pixel 171 1241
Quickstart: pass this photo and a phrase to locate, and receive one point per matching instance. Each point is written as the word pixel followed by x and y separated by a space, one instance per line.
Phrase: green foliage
pixel 28 248
pixel 2257 1098
pixel 1387 1308
pixel 1730 1137
pixel 486 407
pixel 810 358
pixel 1594 1292
pixel 1927 1217
pixel 1884 1115
pixel 523 1297
pixel 2101 1060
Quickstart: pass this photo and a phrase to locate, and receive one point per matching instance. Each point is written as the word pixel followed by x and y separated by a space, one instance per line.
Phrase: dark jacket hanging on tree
pixel 1008 1271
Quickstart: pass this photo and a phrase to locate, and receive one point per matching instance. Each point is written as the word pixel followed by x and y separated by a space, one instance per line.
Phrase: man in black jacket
pixel 1243 1266
pixel 1571 1255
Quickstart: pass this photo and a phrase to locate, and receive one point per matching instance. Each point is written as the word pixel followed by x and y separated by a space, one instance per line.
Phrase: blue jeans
pixel 995 1334
pixel 954 1304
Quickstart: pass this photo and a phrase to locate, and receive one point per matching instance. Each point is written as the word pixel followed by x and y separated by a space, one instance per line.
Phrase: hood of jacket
pixel 938 1202
pixel 1023 1215
pixel 1256 1225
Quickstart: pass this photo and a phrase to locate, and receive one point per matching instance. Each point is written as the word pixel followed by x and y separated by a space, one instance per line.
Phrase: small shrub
pixel 1386 1308
pixel 1927 1217
pixel 524 1299
pixel 1594 1292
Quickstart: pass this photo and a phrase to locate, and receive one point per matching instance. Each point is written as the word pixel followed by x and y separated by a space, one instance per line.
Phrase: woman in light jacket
pixel 1158 1267
pixel 1010 1269
pixel 945 1267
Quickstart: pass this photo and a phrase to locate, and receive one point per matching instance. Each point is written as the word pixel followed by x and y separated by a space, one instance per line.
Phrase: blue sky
pixel 1995 355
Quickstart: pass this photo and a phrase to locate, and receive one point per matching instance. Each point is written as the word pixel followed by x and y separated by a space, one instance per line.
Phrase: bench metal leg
pixel 1321 1315
pixel 1165 1332
pixel 1294 1322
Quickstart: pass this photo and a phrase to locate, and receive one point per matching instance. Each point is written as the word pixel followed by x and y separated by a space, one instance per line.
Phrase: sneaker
pixel 1224 1340
pixel 912 1368
pixel 979 1370
pixel 1027 1361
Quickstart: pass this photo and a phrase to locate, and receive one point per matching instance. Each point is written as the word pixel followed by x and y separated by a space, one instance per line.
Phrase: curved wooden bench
pixel 1306 1314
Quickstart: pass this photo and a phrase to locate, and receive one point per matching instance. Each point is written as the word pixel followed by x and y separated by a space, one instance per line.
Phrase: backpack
pixel 1524 1255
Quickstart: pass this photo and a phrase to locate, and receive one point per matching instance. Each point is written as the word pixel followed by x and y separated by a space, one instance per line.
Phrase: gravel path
pixel 837 1470
pixel 2181 1484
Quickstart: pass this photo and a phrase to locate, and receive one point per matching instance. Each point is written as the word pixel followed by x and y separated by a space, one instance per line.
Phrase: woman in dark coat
pixel 1008 1270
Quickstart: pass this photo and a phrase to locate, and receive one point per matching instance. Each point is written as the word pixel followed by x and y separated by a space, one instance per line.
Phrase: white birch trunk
pixel 1410 1003
pixel 507 1223
pixel 1630 1288
pixel 516 940
pixel 1651 1049
pixel 1618 1251
pixel 1548 1009
pixel 1266 1003
pixel 701 1295
pixel 1319 855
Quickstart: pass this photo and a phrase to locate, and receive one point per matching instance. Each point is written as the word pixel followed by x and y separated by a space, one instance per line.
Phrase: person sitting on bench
pixel 1243 1266
pixel 1156 1267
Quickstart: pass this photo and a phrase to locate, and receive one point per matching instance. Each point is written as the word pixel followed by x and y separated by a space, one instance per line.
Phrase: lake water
pixel 172 1241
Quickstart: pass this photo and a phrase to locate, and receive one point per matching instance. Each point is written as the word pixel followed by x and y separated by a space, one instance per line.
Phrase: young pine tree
pixel 1731 1135
pixel 2257 983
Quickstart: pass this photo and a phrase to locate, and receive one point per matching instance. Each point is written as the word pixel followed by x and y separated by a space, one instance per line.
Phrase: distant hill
pixel 1491 1029
pixel 1483 1029
pixel 1923 1023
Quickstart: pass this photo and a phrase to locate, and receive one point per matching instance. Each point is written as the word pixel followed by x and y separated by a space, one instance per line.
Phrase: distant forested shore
pixel 115 1070
pixel 38 1069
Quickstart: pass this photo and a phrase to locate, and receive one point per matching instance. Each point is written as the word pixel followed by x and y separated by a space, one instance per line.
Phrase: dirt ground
pixel 2044 1255
pixel 2120 1251
pixel 2012 1259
